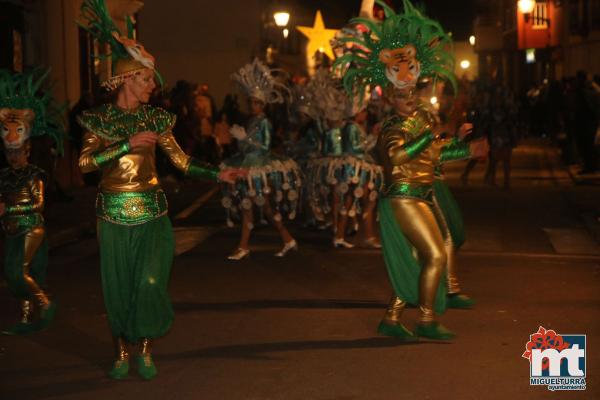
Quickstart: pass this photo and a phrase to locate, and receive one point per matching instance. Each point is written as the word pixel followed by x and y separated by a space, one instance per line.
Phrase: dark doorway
pixel 12 24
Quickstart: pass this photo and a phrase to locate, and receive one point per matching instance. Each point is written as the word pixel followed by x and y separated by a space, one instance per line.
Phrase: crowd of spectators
pixel 565 111
pixel 568 112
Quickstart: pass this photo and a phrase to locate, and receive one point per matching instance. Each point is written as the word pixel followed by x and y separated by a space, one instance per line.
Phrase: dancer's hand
pixel 479 148
pixel 142 140
pixel 2 209
pixel 464 130
pixel 231 174
pixel 238 132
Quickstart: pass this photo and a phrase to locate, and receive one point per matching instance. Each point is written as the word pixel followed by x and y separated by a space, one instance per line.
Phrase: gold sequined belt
pixel 421 192
pixel 131 208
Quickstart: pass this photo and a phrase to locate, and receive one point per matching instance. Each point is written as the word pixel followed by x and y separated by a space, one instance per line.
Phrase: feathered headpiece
pixel 328 94
pixel 397 51
pixel 23 100
pixel 303 101
pixel 257 81
pixel 341 42
pixel 128 56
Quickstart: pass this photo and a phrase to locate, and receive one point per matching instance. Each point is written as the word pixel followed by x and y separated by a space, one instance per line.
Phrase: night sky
pixel 455 16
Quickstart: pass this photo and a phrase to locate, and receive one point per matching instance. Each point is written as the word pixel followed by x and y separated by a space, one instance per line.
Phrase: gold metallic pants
pixel 420 227
pixel 453 285
pixel 33 241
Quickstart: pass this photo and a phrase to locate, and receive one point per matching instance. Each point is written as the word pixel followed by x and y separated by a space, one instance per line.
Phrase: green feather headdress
pixel 97 21
pixel 416 44
pixel 127 55
pixel 24 92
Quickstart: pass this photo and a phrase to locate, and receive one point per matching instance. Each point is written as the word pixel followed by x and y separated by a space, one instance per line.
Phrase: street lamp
pixel 464 64
pixel 281 18
pixel 526 6
pixel 472 40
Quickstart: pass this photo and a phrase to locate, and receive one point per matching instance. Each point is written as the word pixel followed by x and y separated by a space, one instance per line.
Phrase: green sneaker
pixel 20 328
pixel 435 331
pixel 120 369
pixel 146 368
pixel 396 330
pixel 459 300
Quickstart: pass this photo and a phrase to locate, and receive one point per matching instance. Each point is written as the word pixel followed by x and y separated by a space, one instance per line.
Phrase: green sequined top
pixel 130 191
pixel 454 151
pixel 410 152
pixel 113 123
pixel 22 192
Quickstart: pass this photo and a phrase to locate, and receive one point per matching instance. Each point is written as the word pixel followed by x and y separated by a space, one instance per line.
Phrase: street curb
pixel 587 179
pixel 475 253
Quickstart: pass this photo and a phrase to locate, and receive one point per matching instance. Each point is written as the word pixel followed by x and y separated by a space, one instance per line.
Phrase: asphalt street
pixel 304 327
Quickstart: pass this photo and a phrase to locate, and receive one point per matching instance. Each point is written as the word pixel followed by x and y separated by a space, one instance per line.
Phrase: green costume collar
pixel 12 179
pixel 112 123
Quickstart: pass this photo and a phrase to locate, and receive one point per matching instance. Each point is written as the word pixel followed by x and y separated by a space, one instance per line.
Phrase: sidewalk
pixel 583 179
pixel 557 215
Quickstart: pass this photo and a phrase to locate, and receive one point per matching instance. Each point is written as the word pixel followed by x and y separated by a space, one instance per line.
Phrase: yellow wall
pixel 62 50
pixel 201 41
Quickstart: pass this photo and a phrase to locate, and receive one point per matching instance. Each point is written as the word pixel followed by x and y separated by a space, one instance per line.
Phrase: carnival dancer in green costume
pixel 450 217
pixel 273 182
pixel 134 232
pixel 452 225
pixel 394 54
pixel 26 111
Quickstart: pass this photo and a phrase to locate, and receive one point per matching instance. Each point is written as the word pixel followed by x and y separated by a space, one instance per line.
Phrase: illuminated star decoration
pixel 318 37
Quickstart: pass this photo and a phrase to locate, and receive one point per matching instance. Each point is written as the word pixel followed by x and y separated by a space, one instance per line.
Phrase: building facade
pixel 555 40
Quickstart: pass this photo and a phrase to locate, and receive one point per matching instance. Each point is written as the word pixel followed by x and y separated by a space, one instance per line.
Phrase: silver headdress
pixel 328 94
pixel 257 81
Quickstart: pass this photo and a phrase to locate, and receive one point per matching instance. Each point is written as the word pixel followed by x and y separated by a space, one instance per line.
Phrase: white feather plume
pixel 257 81
pixel 328 95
